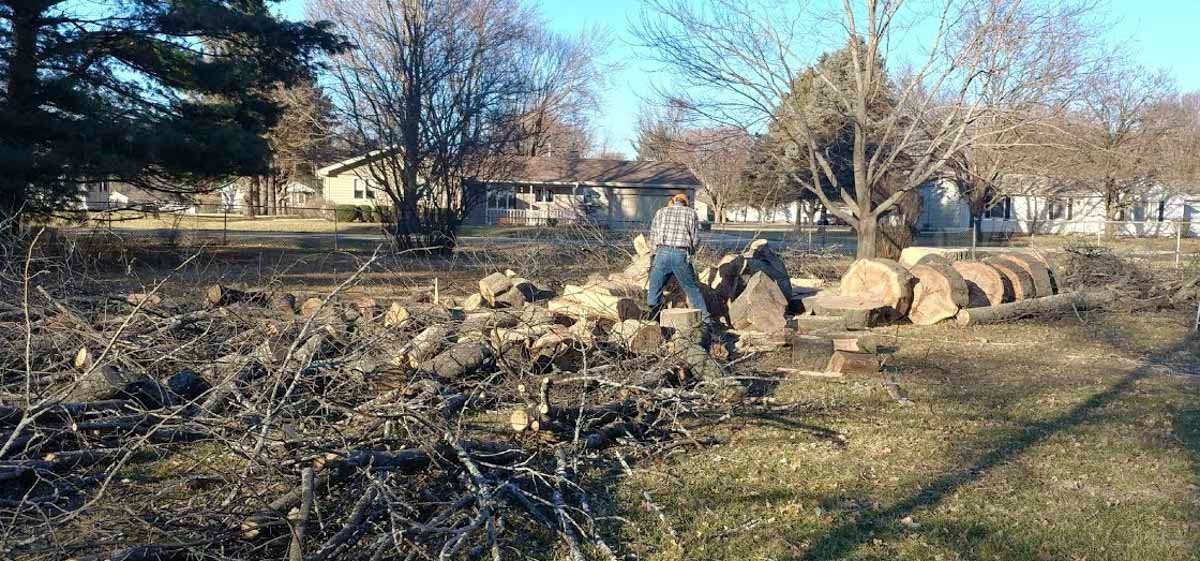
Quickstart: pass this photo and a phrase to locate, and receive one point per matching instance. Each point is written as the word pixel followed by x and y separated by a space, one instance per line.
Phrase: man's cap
pixel 680 198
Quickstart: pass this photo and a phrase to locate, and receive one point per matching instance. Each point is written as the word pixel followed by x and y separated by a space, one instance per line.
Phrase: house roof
pixel 596 172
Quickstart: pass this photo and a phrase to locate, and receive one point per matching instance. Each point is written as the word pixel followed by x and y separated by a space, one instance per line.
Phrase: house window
pixel 1000 210
pixel 499 198
pixel 360 188
pixel 544 194
pixel 1162 210
pixel 1059 209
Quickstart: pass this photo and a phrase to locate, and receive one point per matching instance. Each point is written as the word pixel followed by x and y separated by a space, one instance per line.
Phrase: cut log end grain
pixel 939 294
pixel 986 286
pixel 1043 284
pixel 83 359
pixel 591 304
pixel 912 256
pixel 311 306
pixel 640 245
pixel 883 281
pixel 681 322
pixel 1021 281
pixel 843 362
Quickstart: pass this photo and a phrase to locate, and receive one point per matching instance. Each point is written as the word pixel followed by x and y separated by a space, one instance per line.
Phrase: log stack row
pixel 934 286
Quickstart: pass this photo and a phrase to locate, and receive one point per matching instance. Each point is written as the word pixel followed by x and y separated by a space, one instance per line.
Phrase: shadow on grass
pixel 1186 427
pixel 841 541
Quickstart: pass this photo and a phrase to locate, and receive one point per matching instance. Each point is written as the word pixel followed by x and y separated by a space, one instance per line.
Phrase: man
pixel 673 239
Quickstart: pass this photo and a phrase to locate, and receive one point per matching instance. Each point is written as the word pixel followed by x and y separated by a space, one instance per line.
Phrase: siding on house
pixel 1063 213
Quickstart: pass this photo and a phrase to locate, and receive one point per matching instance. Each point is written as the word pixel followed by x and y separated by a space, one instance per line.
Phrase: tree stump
pixel 762 306
pixel 883 281
pixel 986 286
pixel 939 294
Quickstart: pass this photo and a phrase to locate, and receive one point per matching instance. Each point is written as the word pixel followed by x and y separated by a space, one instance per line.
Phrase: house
pixel 541 191
pixel 1049 206
pixel 611 193
pixel 112 195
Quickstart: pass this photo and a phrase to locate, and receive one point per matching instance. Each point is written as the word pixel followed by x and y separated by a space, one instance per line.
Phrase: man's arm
pixel 655 228
pixel 693 233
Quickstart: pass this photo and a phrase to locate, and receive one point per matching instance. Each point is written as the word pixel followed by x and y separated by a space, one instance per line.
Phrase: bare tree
pixel 299 138
pixel 737 60
pixel 428 96
pixel 563 76
pixel 1118 134
pixel 1049 56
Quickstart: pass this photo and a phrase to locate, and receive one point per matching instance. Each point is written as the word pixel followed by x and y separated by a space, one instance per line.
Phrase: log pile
pixel 332 429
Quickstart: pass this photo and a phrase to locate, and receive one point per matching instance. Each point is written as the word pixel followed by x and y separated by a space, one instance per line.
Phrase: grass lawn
pixel 1027 441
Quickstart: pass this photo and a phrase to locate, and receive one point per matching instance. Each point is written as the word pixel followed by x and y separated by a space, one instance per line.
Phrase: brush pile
pixel 246 424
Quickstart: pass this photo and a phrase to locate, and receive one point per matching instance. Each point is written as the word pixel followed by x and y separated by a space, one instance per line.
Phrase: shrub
pixel 349 213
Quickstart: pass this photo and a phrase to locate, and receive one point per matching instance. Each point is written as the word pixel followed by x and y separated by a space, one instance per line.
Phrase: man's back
pixel 674 226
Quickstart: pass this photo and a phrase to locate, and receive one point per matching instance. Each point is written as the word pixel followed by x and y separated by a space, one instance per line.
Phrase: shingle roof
pixel 587 171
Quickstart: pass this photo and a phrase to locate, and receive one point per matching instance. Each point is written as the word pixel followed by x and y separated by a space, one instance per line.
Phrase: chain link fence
pixel 346 227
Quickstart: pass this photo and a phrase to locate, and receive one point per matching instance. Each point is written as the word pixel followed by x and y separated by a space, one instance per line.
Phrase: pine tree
pixel 165 95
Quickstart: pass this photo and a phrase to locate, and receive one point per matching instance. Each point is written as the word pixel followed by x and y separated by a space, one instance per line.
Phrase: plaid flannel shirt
pixel 674 226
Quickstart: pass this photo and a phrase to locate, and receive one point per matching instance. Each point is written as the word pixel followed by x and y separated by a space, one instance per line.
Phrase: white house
pixel 109 195
pixel 1045 206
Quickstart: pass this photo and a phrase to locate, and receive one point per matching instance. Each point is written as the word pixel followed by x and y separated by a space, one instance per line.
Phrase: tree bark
pixel 22 79
pixel 867 228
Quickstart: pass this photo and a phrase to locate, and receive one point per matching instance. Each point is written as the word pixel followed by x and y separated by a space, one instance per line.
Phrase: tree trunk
pixel 22 78
pixel 867 227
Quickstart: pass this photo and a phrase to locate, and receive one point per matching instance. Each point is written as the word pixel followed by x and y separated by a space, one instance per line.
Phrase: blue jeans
pixel 674 261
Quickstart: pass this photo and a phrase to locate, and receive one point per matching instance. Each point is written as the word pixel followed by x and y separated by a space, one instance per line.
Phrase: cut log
pixel 883 281
pixel 1021 282
pixel 512 298
pixel 857 312
pixel 586 303
pixel 939 294
pixel 986 286
pixel 760 258
pixel 856 344
pixel 810 324
pixel 219 295
pixel 911 256
pixel 1059 303
pixel 473 303
pixel 681 322
pixel 756 342
pixel 493 286
pixel 638 337
pixel 144 300
pixel 810 373
pixel 83 359
pixel 461 359
pixel 726 278
pixel 1043 285
pixel 311 306
pixel 426 344
pixel 843 362
pixel 639 269
pixel 108 382
pixel 284 302
pixel 397 316
pixel 762 306
pixel 641 246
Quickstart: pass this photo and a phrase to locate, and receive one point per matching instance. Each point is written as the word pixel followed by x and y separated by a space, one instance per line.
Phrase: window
pixel 1162 210
pixel 544 194
pixel 499 198
pixel 1059 209
pixel 1000 210
pixel 360 188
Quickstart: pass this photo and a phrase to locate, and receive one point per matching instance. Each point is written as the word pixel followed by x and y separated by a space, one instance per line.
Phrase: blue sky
pixel 1161 33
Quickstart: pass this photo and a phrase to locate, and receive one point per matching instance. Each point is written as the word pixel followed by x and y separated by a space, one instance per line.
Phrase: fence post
pixel 1178 244
pixel 974 241
pixel 335 230
pixel 225 225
